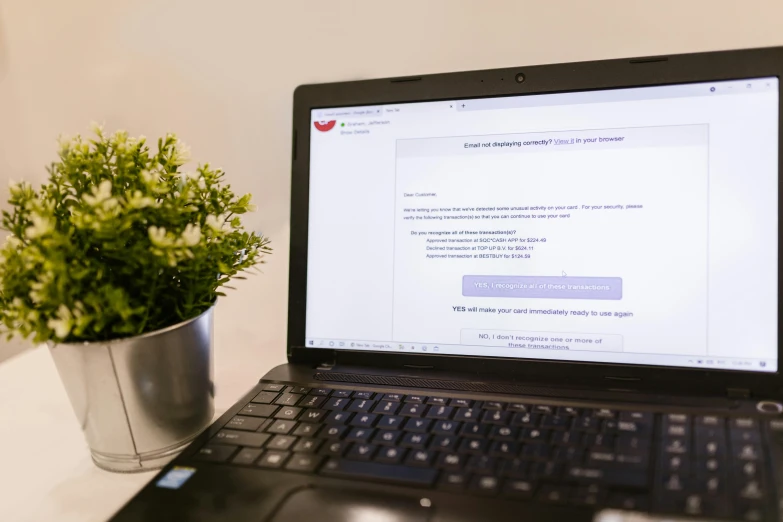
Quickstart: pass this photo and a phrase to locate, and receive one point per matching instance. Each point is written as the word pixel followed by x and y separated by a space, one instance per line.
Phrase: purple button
pixel 543 287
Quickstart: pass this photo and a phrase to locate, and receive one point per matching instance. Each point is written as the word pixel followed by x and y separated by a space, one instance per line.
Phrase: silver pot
pixel 141 400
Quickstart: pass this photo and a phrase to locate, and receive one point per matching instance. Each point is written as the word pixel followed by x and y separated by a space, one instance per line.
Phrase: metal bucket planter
pixel 141 400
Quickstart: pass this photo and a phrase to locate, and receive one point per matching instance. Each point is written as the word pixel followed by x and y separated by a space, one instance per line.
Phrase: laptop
pixel 536 293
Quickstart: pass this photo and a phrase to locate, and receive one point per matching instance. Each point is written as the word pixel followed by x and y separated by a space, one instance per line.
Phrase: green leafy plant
pixel 119 242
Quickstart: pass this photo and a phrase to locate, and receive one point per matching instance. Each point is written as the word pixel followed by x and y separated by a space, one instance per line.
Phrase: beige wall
pixel 221 74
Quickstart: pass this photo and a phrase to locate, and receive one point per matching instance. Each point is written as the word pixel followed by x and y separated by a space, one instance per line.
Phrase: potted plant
pixel 117 262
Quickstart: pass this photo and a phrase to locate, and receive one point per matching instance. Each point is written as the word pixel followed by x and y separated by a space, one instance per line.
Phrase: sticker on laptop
pixel 176 477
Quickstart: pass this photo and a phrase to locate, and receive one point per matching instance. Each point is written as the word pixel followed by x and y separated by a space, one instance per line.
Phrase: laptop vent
pixel 649 59
pixel 484 387
pixel 405 80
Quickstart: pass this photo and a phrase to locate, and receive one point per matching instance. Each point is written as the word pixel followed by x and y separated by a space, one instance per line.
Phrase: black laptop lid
pixel 632 226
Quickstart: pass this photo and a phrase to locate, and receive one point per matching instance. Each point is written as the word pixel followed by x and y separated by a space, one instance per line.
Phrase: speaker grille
pixel 512 389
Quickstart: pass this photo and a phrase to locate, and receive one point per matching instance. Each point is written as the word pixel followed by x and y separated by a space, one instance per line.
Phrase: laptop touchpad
pixel 331 505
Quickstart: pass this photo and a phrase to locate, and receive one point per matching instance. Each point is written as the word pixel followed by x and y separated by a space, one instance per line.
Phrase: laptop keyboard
pixel 665 462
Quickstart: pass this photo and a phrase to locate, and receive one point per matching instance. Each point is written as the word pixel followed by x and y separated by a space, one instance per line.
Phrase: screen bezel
pixel 541 79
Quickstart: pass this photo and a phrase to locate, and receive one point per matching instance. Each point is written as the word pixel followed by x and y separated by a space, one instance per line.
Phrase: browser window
pixel 627 226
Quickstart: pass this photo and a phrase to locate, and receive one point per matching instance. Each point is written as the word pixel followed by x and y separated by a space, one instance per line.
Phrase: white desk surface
pixel 46 472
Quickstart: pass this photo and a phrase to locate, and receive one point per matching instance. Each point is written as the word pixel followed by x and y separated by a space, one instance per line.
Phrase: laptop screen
pixel 626 226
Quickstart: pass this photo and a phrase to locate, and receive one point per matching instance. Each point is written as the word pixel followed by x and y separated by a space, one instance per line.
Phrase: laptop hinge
pixel 738 393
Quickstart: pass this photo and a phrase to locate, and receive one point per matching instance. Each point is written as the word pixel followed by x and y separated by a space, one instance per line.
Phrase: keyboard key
pixel 591 495
pixel 544 409
pixel 247 456
pixel 338 417
pixel 439 401
pixel 472 430
pixel 305 429
pixel 639 417
pixel 496 417
pixel 600 440
pixel 334 448
pixel 746 452
pixel 314 415
pixel 444 443
pixel 416 398
pixel 363 395
pixel 554 422
pixel 265 397
pixel 502 433
pixel 461 403
pixel 281 442
pixel 298 389
pixel 550 471
pixel 390 422
pixel 334 432
pixel 675 446
pixel 609 476
pixel 535 452
pixel 216 453
pixel 473 446
pixel 288 399
pixel 359 435
pixel 412 409
pixel 569 411
pixel 307 446
pixel 244 423
pixel 420 458
pixel 517 488
pixel 566 438
pixel 273 459
pixel 389 455
pixel 554 494
pixel 405 475
pixel 417 425
pixel 517 468
pixel 258 410
pixel 517 406
pixel 628 443
pixel 241 438
pixel 440 412
pixel 534 435
pixel 273 387
pixel 321 391
pixel 482 464
pixel 387 437
pixel 415 440
pixel 743 423
pixel 363 420
pixel 524 419
pixel 361 452
pixel 504 449
pixel 485 485
pixel 453 481
pixel 467 414
pixel 709 421
pixel 445 427
pixel 493 405
pixel 343 394
pixel 451 461
pixel 387 407
pixel 312 401
pixel 676 418
pixel 394 397
pixel 304 463
pixel 634 427
pixel 361 405
pixel 588 424
pixel 336 403
pixel 627 501
pixel 288 413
